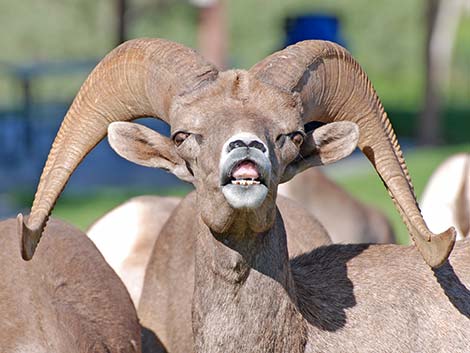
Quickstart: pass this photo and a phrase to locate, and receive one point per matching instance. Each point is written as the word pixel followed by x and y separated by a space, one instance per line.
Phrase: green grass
pixel 367 186
pixel 83 209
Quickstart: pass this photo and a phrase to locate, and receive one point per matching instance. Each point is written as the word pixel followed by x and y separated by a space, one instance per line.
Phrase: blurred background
pixel 416 53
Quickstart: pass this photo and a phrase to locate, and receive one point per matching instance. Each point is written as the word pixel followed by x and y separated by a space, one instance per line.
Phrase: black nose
pixel 239 143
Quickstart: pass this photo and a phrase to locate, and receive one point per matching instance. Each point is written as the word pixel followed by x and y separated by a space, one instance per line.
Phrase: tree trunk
pixel 442 19
pixel 121 24
pixel 212 33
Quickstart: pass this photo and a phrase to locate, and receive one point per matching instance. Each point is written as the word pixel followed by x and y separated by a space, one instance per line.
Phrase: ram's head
pixel 235 140
pixel 236 135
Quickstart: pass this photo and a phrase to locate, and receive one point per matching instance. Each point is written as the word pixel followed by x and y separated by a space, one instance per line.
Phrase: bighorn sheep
pixel 66 300
pixel 236 135
pixel 446 197
pixel 346 219
pixel 126 235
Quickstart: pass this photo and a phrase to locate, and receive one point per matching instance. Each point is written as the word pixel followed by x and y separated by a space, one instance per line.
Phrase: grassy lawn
pixel 83 209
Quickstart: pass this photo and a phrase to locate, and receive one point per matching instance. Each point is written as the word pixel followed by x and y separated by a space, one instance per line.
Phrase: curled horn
pixel 137 79
pixel 332 87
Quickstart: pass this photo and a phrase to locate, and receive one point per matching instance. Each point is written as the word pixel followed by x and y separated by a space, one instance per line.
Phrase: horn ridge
pixel 139 78
pixel 333 87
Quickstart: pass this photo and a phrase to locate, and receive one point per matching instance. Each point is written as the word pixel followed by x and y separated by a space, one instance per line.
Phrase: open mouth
pixel 243 173
pixel 244 180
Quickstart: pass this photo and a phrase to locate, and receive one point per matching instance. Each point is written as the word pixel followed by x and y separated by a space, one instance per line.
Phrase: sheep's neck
pixel 244 297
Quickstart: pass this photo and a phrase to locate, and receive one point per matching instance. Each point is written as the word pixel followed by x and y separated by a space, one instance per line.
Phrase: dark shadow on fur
pixel 454 289
pixel 323 288
pixel 150 342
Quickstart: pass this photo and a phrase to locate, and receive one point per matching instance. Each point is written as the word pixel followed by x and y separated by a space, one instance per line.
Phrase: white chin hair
pixel 249 197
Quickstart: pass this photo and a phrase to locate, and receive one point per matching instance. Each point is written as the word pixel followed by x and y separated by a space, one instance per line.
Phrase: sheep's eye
pixel 280 140
pixel 297 138
pixel 179 138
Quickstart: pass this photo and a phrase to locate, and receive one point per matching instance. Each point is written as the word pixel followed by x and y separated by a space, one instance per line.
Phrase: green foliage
pixel 385 36
pixel 455 123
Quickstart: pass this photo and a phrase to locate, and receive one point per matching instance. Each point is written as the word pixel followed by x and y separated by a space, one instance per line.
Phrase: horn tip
pixel 436 251
pixel 29 238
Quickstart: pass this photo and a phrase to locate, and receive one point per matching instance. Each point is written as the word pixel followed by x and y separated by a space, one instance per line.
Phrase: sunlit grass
pixel 82 209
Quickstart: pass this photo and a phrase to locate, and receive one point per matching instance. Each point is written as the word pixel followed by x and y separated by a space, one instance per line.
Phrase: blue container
pixel 312 26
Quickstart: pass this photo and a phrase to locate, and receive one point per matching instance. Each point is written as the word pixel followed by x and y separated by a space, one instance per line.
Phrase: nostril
pixel 236 144
pixel 246 141
pixel 258 145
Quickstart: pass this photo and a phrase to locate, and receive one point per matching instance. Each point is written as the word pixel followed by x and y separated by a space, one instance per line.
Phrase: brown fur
pixel 352 298
pixel 165 306
pixel 154 211
pixel 246 294
pixel 343 292
pixel 65 300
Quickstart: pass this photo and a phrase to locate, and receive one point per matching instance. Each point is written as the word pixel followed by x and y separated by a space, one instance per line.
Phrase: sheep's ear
pixel 146 147
pixel 324 145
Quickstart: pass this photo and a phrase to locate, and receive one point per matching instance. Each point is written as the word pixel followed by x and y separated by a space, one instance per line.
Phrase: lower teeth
pixel 245 182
